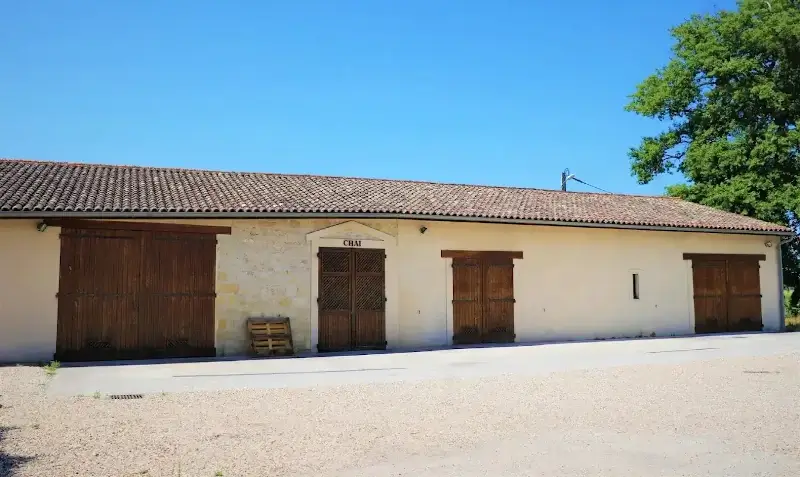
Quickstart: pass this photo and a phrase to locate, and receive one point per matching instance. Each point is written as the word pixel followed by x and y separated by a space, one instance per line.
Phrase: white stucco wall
pixel 572 283
pixel 29 265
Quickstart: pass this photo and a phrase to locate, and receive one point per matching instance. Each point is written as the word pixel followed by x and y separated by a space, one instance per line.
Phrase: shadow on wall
pixel 9 463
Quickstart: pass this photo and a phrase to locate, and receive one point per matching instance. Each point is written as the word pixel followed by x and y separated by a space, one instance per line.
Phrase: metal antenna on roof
pixel 565 176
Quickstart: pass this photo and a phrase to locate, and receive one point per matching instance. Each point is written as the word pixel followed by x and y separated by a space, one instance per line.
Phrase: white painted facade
pixel 572 283
pixel 29 263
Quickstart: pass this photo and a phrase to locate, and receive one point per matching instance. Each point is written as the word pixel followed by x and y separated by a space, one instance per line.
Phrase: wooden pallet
pixel 270 336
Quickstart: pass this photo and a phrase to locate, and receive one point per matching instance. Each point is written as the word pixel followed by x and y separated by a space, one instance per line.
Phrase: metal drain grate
pixel 125 396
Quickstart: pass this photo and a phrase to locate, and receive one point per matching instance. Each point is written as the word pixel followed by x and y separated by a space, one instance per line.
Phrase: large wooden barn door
pixel 727 292
pixel 98 291
pixel 483 296
pixel 467 300
pixel 176 314
pixel 710 296
pixel 498 315
pixel 744 292
pixel 127 294
pixel 352 299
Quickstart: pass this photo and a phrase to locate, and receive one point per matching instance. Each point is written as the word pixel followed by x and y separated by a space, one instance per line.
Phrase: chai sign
pixel 351 243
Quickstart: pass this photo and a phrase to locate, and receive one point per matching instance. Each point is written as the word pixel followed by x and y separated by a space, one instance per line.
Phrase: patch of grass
pixel 793 323
pixel 52 368
pixel 219 474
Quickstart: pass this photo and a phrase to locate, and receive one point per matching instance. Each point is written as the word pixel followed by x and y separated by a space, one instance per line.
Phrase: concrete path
pixel 408 366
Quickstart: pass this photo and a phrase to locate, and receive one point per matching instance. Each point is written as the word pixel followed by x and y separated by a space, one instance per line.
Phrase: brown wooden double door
pixel 483 298
pixel 128 294
pixel 352 299
pixel 727 293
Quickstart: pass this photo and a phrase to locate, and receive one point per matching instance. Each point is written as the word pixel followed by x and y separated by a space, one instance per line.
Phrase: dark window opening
pixel 635 286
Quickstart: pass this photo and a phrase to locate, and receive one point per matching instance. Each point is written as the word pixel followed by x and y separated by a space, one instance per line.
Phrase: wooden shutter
pixel 467 300
pixel 498 315
pixel 335 299
pixel 744 296
pixel 710 295
pixel 369 316
pixel 176 313
pixel 97 293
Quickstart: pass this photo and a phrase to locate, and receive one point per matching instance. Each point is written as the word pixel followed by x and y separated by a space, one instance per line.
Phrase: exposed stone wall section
pixel 264 269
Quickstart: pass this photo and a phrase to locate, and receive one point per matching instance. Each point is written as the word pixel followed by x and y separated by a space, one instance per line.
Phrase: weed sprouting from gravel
pixel 52 368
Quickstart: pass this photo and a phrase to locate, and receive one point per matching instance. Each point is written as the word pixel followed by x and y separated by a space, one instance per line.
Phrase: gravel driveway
pixel 732 416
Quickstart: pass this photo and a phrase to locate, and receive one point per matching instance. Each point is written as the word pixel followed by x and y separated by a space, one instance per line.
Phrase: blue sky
pixel 506 92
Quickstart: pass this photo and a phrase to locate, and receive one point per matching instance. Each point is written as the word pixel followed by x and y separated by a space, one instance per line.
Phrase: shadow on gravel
pixel 10 463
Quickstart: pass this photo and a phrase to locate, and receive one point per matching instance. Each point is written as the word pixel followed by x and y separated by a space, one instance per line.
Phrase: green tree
pixel 730 95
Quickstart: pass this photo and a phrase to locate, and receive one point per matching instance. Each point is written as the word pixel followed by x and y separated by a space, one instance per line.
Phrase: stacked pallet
pixel 270 336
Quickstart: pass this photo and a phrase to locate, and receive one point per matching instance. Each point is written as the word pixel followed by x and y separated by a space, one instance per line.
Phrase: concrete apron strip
pixel 286 373
pixel 445 364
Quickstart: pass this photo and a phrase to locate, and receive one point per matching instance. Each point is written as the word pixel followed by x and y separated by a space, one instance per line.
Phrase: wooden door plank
pixel 84 224
pixel 477 254
pixel 718 257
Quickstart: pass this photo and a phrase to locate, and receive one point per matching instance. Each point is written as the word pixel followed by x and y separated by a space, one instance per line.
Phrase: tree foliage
pixel 731 98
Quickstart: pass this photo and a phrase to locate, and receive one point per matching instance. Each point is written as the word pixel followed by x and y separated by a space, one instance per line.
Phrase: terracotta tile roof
pixel 30 187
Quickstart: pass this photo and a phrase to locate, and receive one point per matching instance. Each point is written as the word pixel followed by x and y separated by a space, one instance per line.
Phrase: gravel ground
pixel 600 422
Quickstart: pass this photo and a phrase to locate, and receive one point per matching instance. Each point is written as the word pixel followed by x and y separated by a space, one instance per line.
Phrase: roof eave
pixel 368 215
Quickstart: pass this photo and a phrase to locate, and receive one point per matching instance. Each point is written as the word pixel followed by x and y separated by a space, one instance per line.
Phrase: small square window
pixel 635 286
